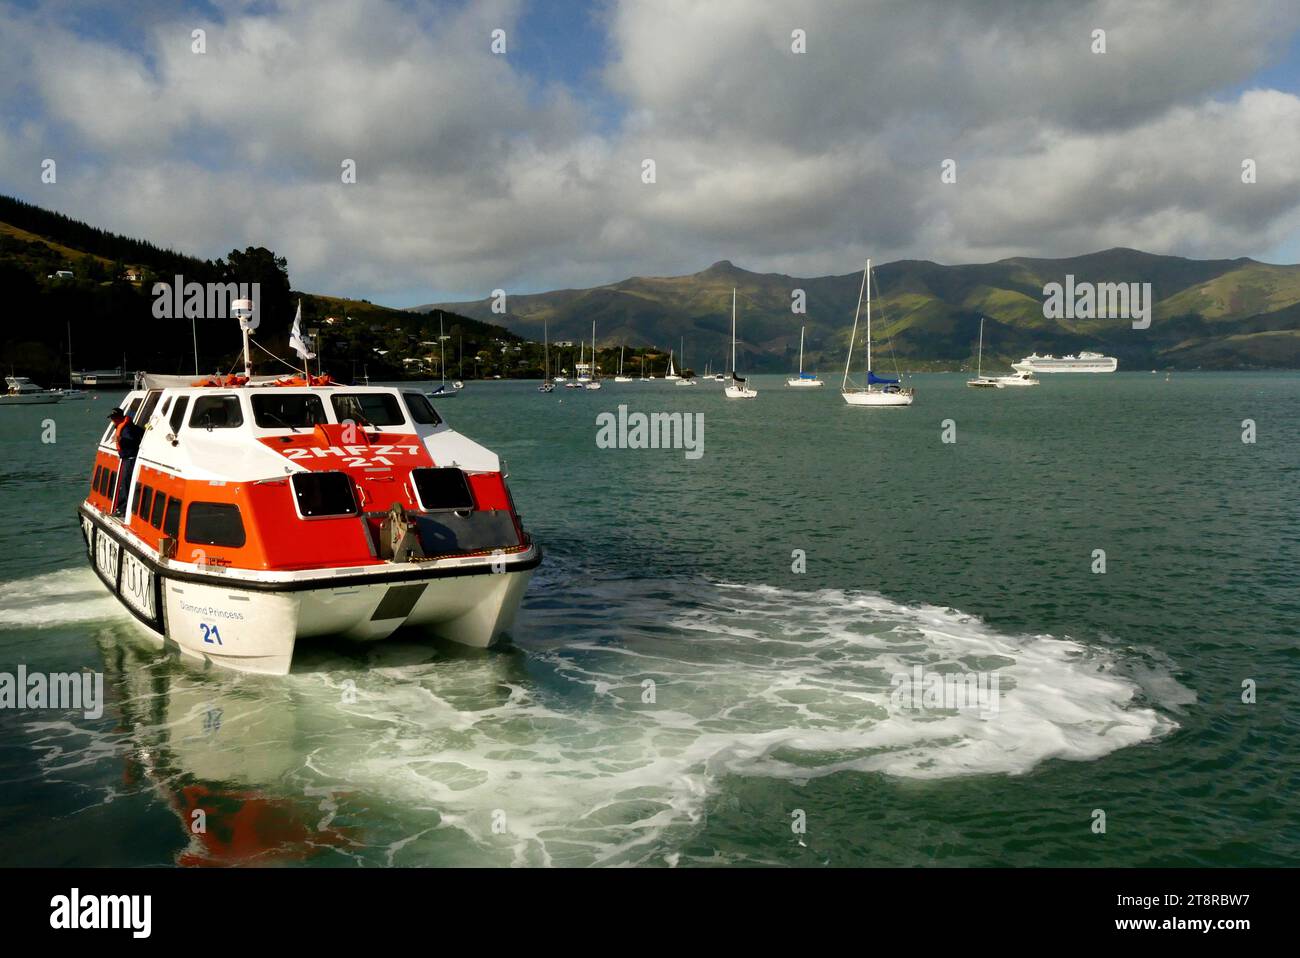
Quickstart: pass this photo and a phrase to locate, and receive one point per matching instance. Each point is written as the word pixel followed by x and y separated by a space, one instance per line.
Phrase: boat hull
pixel 740 392
pixel 878 398
pixel 30 399
pixel 256 627
pixel 1107 364
pixel 804 383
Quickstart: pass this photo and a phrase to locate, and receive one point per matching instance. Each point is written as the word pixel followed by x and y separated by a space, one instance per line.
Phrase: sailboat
pixel 804 379
pixel 442 392
pixel 579 371
pixel 546 386
pixel 620 378
pixel 981 381
pixel 685 380
pixel 672 373
pixel 593 382
pixel 878 391
pixel 739 388
pixel 72 392
pixel 644 378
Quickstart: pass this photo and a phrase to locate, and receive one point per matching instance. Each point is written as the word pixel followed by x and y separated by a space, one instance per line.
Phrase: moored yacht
pixel 262 512
pixel 803 380
pixel 740 387
pixel 879 390
pixel 981 381
pixel 21 391
pixel 1017 379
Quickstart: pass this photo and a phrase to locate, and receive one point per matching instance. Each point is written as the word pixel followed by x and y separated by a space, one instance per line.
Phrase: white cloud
pixel 471 175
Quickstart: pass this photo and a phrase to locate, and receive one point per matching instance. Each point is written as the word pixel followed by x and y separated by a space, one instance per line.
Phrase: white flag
pixel 295 336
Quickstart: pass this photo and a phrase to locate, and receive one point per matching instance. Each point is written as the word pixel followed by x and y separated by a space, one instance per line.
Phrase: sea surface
pixel 704 671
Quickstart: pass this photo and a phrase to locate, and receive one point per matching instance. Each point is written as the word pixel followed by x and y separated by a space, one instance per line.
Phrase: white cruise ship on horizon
pixel 1085 362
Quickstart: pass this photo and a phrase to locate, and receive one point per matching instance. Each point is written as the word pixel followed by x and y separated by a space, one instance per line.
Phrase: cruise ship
pixel 1085 362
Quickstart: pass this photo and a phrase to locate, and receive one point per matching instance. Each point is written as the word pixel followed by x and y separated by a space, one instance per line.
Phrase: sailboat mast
pixel 979 363
pixel 868 279
pixel 801 329
pixel 854 335
pixel 733 330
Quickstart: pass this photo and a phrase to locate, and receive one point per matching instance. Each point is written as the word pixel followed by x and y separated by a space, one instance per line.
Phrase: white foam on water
pixel 752 681
pixel 547 754
pixel 66 597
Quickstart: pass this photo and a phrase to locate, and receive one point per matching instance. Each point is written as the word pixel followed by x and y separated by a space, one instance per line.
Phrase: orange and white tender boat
pixel 266 511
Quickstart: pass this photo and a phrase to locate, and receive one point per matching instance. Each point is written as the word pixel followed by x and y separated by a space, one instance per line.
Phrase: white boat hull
pixel 30 399
pixel 250 627
pixel 1107 364
pixel 877 398
pixel 804 383
pixel 740 392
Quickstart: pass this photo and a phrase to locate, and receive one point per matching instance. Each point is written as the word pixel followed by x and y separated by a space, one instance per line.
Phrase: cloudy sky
pixel 523 169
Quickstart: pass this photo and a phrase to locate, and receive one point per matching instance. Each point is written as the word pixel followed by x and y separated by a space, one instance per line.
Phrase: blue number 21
pixel 210 633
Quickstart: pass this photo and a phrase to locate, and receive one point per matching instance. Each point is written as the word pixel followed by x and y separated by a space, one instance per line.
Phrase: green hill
pixel 106 306
pixel 1207 313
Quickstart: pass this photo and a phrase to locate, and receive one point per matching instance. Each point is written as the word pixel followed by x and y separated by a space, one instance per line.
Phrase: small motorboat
pixel 263 513
pixel 21 391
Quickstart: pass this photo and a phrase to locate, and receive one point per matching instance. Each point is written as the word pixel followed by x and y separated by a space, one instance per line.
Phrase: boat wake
pixel 63 598
pixel 620 712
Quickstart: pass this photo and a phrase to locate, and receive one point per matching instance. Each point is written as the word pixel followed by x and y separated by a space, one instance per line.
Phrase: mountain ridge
pixel 1205 312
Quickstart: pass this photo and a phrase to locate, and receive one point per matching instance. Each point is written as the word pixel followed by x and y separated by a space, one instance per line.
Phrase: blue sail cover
pixel 872 379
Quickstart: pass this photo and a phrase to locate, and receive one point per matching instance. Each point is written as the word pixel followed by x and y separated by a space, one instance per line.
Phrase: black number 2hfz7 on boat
pixel 264 511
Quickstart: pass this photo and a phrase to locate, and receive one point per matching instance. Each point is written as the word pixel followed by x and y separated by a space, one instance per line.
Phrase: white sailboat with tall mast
pixel 686 380
pixel 803 380
pixel 878 391
pixel 981 381
pixel 442 392
pixel 739 388
pixel 620 378
pixel 594 381
pixel 672 373
pixel 546 386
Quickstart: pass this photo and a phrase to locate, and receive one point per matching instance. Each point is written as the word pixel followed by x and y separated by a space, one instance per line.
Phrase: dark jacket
pixel 128 440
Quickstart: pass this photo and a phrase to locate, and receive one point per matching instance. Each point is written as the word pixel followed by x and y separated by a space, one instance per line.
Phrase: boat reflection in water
pixel 232 755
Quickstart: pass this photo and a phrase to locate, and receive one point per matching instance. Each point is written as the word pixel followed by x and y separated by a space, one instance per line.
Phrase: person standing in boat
pixel 127 436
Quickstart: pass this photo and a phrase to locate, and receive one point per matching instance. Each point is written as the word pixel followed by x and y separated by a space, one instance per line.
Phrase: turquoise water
pixel 772 687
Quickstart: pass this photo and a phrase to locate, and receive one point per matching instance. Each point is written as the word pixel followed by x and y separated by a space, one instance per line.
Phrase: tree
pixel 257 264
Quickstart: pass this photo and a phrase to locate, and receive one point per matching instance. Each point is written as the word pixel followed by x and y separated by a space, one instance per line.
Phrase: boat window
pixel 110 483
pixel 368 409
pixel 214 524
pixel 178 414
pixel 442 489
pixel 216 412
pixel 144 502
pixel 150 401
pixel 172 518
pixel 421 409
pixel 287 410
pixel 99 475
pixel 156 514
pixel 167 404
pixel 324 494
